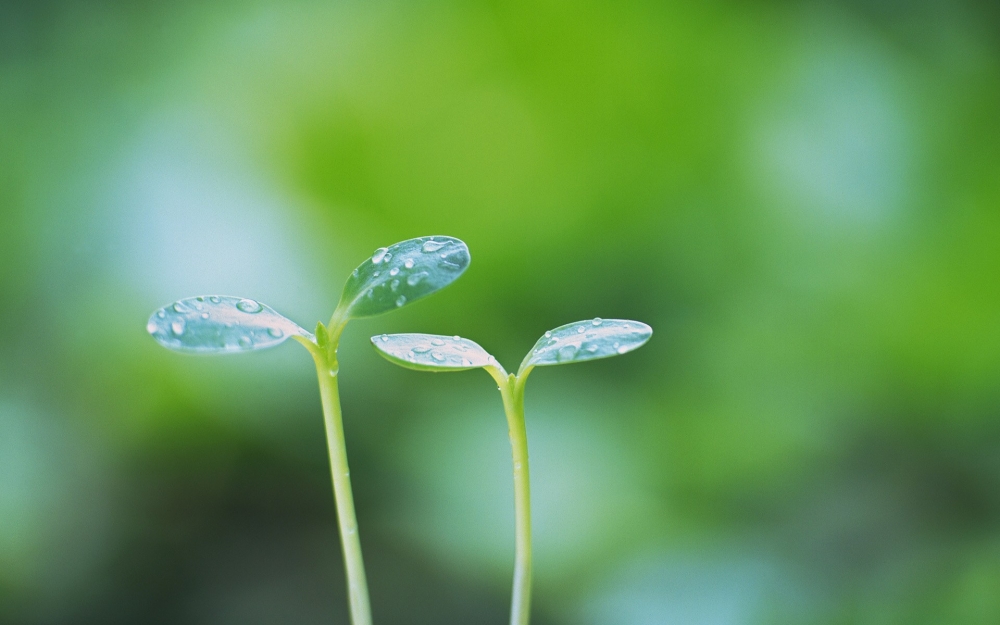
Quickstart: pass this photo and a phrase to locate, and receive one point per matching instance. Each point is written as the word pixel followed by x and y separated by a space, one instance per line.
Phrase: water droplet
pixel 566 352
pixel 615 344
pixel 388 256
pixel 180 308
pixel 415 279
pixel 394 271
pixel 548 335
pixel 456 338
pixel 249 306
pixel 420 349
pixel 394 285
pixel 466 362
pixel 204 315
pixel 177 327
pixel 432 246
pixel 215 299
pixel 437 342
pixel 596 321
pixel 400 300
pixel 161 314
pixel 355 272
pixel 276 332
pixel 151 327
pixel 408 263
pixel 591 348
pixel 369 293
pixel 622 349
pixel 385 338
pixel 581 330
pixel 200 298
pixel 517 466
pixel 245 342
pixel 198 306
pixel 379 254
pixel 376 274
pixel 447 265
pixel 438 356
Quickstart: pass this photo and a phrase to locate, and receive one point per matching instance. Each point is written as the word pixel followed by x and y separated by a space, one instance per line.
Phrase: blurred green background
pixel 802 198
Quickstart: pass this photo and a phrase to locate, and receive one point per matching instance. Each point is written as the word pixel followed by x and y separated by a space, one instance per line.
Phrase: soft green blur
pixel 802 199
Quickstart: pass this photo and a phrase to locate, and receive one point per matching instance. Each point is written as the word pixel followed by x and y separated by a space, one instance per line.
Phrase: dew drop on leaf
pixel 432 246
pixel 408 263
pixel 400 300
pixel 177 327
pixel 249 306
pixel 394 271
pixel 379 254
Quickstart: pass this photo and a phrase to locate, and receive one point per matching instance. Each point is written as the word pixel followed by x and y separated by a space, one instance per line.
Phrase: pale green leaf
pixel 401 273
pixel 215 324
pixel 430 352
pixel 587 340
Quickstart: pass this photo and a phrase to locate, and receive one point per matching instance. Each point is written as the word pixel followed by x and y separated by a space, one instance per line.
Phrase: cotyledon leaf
pixel 403 272
pixel 430 352
pixel 587 340
pixel 215 324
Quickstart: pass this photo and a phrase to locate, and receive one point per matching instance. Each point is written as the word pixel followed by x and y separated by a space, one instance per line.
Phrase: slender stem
pixel 327 369
pixel 513 402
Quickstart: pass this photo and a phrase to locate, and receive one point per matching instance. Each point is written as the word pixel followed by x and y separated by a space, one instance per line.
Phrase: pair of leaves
pixel 573 342
pixel 393 277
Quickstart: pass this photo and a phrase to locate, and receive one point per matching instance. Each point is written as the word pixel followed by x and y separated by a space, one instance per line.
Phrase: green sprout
pixel 392 277
pixel 574 342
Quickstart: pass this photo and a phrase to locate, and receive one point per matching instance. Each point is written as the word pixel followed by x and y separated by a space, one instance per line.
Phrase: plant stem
pixel 327 369
pixel 513 402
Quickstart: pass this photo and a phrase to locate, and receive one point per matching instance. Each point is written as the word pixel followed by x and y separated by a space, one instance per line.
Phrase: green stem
pixel 327 369
pixel 513 401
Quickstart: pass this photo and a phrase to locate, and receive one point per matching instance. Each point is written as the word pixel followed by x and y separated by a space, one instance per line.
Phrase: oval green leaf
pixel 216 324
pixel 431 352
pixel 587 340
pixel 399 274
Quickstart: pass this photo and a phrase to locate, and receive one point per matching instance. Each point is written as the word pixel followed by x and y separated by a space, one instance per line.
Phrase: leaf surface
pixel 216 324
pixel 402 273
pixel 587 340
pixel 431 352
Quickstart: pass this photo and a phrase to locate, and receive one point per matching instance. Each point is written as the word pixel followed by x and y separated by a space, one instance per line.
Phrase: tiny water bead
pixel 437 342
pixel 394 285
pixel 161 313
pixel 276 332
pixel 379 254
pixel 408 263
pixel 249 306
pixel 394 271
pixel 420 349
pixel 215 299
pixel 400 300
pixel 437 356
pixel 385 338
pixel 177 327
pixel 581 330
pixel 456 338
pixel 151 327
pixel 432 246
pixel 548 334
pixel 596 321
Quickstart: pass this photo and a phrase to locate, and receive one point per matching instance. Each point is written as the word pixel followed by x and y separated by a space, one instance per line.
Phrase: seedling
pixel 393 277
pixel 574 342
